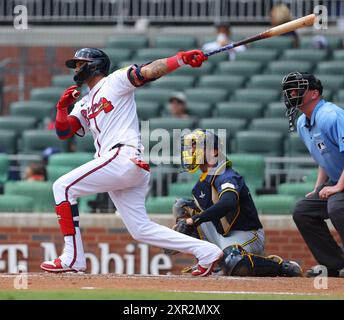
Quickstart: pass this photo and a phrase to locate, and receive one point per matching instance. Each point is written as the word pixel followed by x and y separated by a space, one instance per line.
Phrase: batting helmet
pixel 299 83
pixel 97 63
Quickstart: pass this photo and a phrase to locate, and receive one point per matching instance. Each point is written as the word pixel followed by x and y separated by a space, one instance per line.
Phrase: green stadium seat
pixel 160 205
pixel 294 146
pixel 265 81
pixel 327 94
pixel 256 95
pixel 251 167
pixel 194 109
pixel 35 141
pixel 147 110
pixel 183 190
pixel 277 43
pixel 227 82
pixel 177 42
pixel 211 95
pixel 73 159
pixel 310 55
pixel 283 67
pixel 171 123
pixel 38 109
pixel 152 94
pixel 17 123
pixel 56 171
pixel 206 69
pixel 270 124
pixel 240 68
pixel 297 190
pixel 8 141
pixel 241 110
pixel 83 203
pixel 40 191
pixel 50 94
pixel 85 143
pixel 267 143
pixel 117 55
pixel 16 203
pixel 151 54
pixel 275 110
pixel 62 81
pixel 132 42
pixel 177 83
pixel 312 176
pixel 330 68
pixel 333 42
pixel 127 63
pixel 4 165
pixel 338 55
pixel 259 55
pixel 275 204
pixel 219 57
pixel 332 82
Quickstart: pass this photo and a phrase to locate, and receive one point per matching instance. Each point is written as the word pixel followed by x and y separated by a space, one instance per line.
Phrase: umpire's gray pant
pixel 310 215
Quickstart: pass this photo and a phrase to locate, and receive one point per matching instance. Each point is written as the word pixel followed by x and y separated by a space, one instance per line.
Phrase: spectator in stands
pixel 321 127
pixel 177 105
pixel 36 172
pixel 280 14
pixel 222 39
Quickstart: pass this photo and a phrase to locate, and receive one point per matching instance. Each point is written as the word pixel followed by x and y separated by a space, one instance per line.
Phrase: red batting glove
pixel 68 97
pixel 194 58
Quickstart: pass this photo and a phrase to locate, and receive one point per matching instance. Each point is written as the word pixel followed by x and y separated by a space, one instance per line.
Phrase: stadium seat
pixel 332 82
pixel 277 43
pixel 40 191
pixel 283 67
pixel 17 123
pixel 265 81
pixel 328 94
pixel 50 94
pixel 310 55
pixel 177 83
pixel 117 55
pixel 171 123
pixel 294 146
pixel 275 110
pixel 312 176
pixel 132 42
pixel 150 54
pixel 62 81
pixel 219 57
pixel 259 55
pixel 210 95
pixel 160 204
pixel 330 68
pixel 147 110
pixel 227 82
pixel 176 42
pixel 199 109
pixel 256 95
pixel 8 141
pixel 183 190
pixel 35 141
pixel 84 144
pixel 16 203
pixel 338 55
pixel 240 68
pixel 154 95
pixel 4 165
pixel 275 204
pixel 267 143
pixel 56 171
pixel 241 110
pixel 333 42
pixel 206 69
pixel 297 190
pixel 72 159
pixel 127 63
pixel 38 109
pixel 270 124
pixel 251 167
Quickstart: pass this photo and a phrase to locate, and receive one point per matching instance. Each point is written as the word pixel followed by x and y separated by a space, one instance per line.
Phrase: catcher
pixel 222 211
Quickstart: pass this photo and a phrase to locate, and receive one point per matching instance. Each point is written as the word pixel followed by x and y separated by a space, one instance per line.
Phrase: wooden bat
pixel 272 32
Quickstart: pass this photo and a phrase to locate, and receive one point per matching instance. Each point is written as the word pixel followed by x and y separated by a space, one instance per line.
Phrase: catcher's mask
pixel 294 86
pixel 193 149
pixel 97 62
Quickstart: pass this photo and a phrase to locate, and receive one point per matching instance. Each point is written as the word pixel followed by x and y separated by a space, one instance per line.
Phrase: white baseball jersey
pixel 109 112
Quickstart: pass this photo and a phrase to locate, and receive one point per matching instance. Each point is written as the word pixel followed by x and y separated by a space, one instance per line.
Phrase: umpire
pixel 321 127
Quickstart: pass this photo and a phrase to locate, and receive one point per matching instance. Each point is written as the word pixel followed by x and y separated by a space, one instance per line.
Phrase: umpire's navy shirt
pixel 323 136
pixel 209 189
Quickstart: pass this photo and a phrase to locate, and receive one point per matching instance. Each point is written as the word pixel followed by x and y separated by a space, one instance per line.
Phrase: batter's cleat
pixel 57 266
pixel 291 269
pixel 204 271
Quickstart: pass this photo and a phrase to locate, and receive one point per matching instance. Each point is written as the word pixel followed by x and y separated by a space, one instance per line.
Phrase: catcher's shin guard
pixel 68 217
pixel 238 262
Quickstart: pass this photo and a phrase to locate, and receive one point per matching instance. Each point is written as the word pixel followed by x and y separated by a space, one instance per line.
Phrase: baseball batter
pixel 109 112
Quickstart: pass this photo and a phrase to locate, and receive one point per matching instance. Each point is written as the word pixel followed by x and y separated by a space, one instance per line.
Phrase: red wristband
pixel 174 63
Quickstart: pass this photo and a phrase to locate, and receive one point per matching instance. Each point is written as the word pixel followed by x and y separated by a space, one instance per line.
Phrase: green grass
pixel 101 294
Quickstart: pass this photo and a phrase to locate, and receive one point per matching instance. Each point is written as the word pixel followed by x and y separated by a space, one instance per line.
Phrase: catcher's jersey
pixel 109 112
pixel 208 190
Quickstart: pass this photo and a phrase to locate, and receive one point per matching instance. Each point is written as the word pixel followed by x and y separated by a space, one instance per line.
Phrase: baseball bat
pixel 272 32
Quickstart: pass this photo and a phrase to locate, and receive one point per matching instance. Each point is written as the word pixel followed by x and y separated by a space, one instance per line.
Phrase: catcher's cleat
pixel 57 266
pixel 291 269
pixel 204 271
pixel 317 271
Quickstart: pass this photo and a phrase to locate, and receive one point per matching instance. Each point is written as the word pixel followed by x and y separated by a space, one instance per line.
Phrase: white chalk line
pixel 250 292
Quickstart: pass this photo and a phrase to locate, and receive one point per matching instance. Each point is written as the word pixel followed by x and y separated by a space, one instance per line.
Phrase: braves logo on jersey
pixel 102 105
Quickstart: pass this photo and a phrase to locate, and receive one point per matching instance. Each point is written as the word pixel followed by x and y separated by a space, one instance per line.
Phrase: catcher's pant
pixel 127 185
pixel 310 215
pixel 252 241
